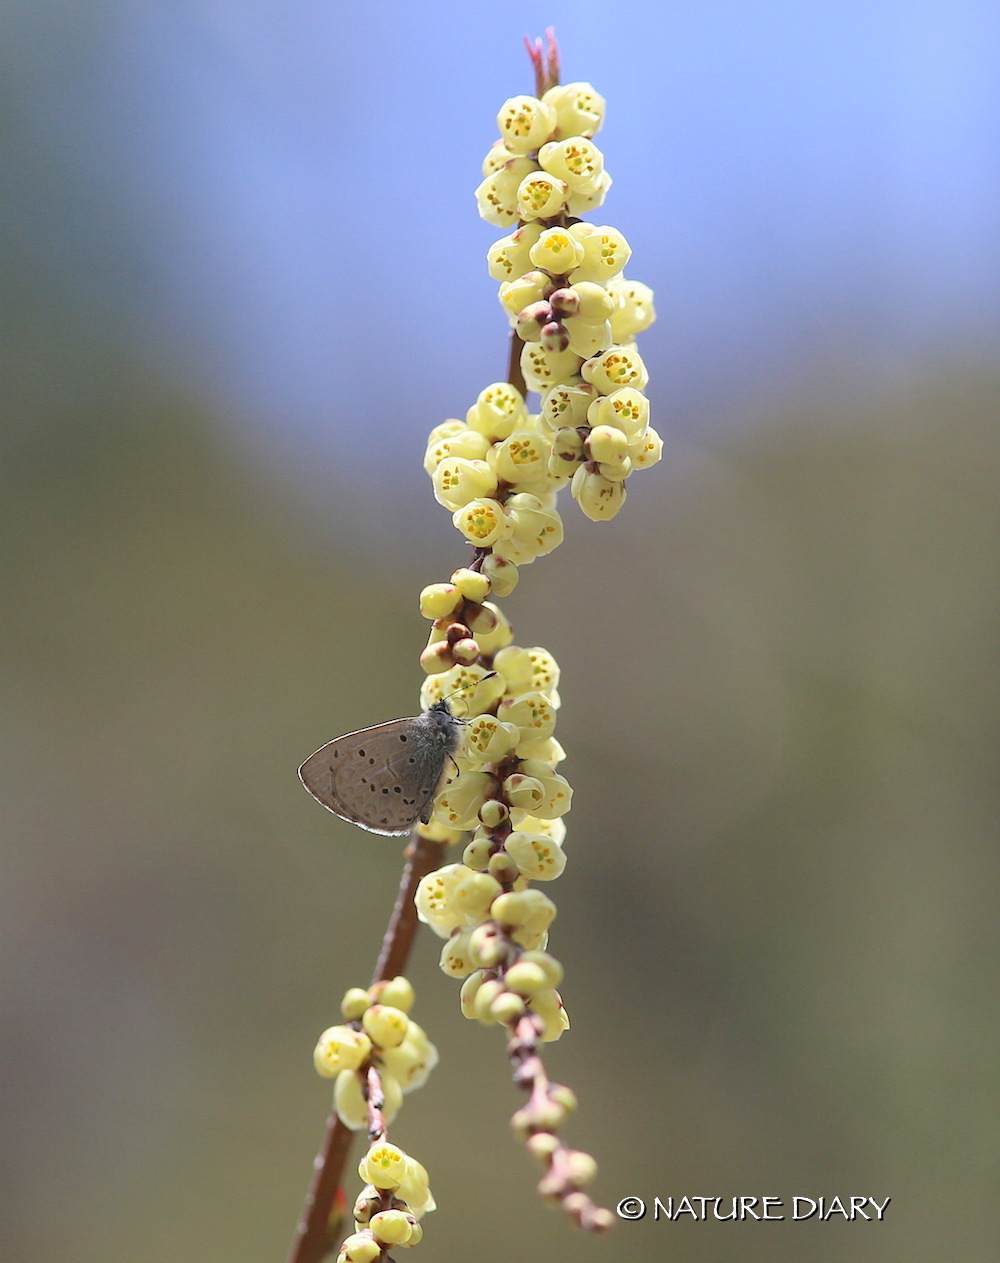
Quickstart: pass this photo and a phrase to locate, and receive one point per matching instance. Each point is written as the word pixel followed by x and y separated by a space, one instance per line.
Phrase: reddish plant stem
pixel 545 60
pixel 422 857
pixel 515 377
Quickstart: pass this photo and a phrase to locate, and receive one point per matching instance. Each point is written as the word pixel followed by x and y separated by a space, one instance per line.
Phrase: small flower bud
pixel 565 301
pixel 473 896
pixel 367 1204
pixel 507 1008
pixel 482 1004
pixel 503 868
pixel 521 293
pixel 470 989
pixel 354 1003
pixel 563 1096
pixel 465 651
pixel 397 992
pixel 607 445
pixel 437 657
pixel 580 1168
pixel 454 632
pixel 385 1025
pixel 502 575
pixel 391 1227
pixel 494 813
pixel 471 585
pixel 359 1247
pixel 568 445
pixel 477 854
pixel 531 320
pixel 340 1048
pixel 487 946
pixel 440 600
pixel 526 978
pixel 548 964
pixel 555 337
pixel 524 908
pixel 542 1145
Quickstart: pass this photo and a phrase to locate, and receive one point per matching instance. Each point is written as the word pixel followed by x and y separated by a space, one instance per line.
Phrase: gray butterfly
pixel 384 778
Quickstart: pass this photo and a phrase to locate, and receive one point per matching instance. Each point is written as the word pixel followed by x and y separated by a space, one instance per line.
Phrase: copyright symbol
pixel 630 1208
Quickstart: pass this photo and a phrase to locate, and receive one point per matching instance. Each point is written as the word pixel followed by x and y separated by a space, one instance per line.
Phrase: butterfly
pixel 384 778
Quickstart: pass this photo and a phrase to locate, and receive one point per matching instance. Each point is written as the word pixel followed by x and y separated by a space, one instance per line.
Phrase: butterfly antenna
pixel 464 689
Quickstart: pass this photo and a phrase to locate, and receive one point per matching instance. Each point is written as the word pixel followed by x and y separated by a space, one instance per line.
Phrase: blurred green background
pixel 781 711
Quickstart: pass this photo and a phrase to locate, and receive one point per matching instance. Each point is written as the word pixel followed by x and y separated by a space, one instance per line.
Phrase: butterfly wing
pixel 380 778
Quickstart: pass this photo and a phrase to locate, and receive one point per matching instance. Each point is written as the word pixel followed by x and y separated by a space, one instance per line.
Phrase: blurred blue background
pixel 243 277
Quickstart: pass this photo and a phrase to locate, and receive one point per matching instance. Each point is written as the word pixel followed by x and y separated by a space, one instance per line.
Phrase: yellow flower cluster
pixel 499 472
pixel 378 1032
pixel 563 288
pixel 388 1211
pixel 377 1056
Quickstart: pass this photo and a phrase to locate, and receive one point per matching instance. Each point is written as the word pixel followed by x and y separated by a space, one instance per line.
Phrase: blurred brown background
pixel 780 699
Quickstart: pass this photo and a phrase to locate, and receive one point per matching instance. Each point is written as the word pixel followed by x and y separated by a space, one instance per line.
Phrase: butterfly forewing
pixel 382 778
